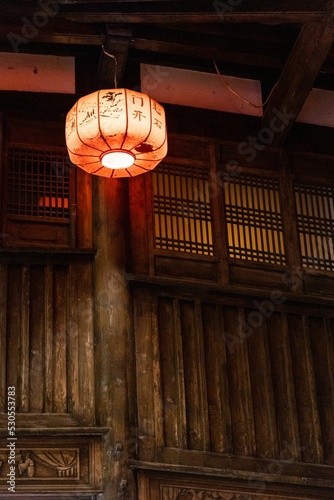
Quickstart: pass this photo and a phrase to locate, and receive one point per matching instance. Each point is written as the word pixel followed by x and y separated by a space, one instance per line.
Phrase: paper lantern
pixel 116 133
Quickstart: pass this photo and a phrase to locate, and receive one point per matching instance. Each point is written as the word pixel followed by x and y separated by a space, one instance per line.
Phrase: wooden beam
pixel 114 56
pixel 260 16
pixel 57 30
pixel 73 2
pixel 213 51
pixel 200 12
pixel 297 78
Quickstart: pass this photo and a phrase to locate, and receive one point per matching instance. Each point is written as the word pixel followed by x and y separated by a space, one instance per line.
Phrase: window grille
pixel 254 219
pixel 315 217
pixel 38 184
pixel 182 214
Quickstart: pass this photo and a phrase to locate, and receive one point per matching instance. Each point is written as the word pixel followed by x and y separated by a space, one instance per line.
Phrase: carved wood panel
pixel 154 485
pixel 49 463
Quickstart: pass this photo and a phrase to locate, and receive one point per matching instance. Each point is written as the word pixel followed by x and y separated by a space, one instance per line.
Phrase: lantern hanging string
pixel 115 71
pixel 240 96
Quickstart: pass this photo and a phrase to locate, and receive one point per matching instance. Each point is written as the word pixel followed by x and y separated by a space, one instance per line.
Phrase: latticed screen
pixel 315 216
pixel 38 183
pixel 182 215
pixel 254 219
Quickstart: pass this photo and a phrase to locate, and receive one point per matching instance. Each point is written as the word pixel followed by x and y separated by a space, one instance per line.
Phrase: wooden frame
pixel 225 161
pixel 73 230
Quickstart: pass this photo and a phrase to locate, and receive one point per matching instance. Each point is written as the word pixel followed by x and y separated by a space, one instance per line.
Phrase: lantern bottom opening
pixel 117 159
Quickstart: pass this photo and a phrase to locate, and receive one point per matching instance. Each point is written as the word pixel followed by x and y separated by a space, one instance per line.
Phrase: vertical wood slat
pixel 48 342
pixel 145 308
pixel 37 336
pixel 217 380
pixel 59 340
pixel 217 185
pixel 283 384
pixel 25 347
pixel 139 230
pixel 157 385
pixel 306 394
pixel 3 334
pixel 84 307
pixel 195 378
pixel 37 356
pixel 172 373
pixel 289 217
pixel 14 328
pixel 73 343
pixel 262 390
pixel 240 386
pixel 271 386
pixel 84 225
pixel 323 356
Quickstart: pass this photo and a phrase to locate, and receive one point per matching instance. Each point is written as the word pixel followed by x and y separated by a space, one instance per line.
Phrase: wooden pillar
pixel 114 353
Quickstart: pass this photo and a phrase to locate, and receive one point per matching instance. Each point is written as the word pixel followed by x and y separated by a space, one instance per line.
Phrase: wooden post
pixel 114 353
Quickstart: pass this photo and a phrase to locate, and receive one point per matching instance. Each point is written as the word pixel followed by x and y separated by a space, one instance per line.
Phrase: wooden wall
pixel 221 380
pixel 47 338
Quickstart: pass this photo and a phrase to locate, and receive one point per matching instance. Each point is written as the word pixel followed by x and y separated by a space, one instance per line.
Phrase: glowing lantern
pixel 116 133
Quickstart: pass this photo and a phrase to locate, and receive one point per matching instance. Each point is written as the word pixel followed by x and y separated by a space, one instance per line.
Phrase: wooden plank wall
pixel 220 377
pixel 46 339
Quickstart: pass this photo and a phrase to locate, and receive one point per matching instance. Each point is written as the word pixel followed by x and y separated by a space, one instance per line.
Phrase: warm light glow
pixel 118 159
pixel 116 133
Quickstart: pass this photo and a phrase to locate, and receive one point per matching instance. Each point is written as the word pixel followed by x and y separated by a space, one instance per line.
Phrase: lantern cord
pixel 240 96
pixel 114 58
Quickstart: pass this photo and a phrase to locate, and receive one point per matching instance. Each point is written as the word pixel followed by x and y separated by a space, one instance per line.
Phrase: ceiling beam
pixel 217 12
pixel 57 30
pixel 73 2
pixel 302 67
pixel 213 52
pixel 198 17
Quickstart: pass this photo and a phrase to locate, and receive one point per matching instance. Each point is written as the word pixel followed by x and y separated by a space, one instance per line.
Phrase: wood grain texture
pixel 323 359
pixel 218 392
pixel 36 341
pixel 305 387
pixel 301 69
pixel 3 336
pixel 195 377
pixel 240 385
pixel 283 385
pixel 43 310
pixel 236 380
pixel 262 392
pixel 172 374
pixel 113 340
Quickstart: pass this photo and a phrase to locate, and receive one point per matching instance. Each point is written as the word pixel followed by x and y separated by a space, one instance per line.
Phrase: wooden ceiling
pixel 287 44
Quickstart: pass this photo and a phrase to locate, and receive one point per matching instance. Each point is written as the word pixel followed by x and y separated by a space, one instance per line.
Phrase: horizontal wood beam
pixel 57 30
pixel 199 12
pixel 195 17
pixel 73 2
pixel 298 76
pixel 203 52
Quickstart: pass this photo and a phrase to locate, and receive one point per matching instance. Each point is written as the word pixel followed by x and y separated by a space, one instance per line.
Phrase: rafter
pixel 298 76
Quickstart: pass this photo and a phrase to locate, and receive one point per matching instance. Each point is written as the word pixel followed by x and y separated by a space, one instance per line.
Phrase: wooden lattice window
pixel 315 218
pixel 38 184
pixel 38 197
pixel 254 219
pixel 182 213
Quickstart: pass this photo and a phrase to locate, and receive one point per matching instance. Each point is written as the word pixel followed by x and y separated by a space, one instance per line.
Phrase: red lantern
pixel 116 133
